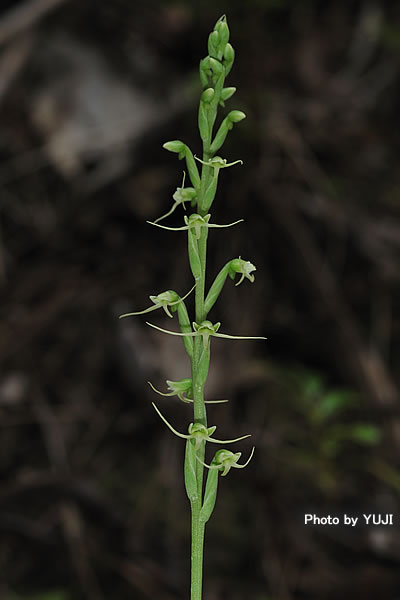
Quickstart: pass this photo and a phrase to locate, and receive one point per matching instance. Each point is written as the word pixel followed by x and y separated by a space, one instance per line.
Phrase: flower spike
pixel 163 300
pixel 199 432
pixel 224 460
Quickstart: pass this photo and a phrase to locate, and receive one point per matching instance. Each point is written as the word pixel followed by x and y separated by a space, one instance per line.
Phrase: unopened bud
pixel 235 116
pixel 205 71
pixel 223 33
pixel 215 66
pixel 227 93
pixel 174 146
pixel 229 55
pixel 213 41
pixel 207 95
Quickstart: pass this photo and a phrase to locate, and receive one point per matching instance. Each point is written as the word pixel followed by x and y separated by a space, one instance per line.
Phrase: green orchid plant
pixel 196 334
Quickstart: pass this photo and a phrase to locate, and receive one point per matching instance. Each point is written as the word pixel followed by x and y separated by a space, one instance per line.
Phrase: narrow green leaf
pixel 186 327
pixel 192 168
pixel 210 495
pixel 216 288
pixel 220 136
pixel 204 363
pixel 203 122
pixel 190 471
pixel 194 258
pixel 210 193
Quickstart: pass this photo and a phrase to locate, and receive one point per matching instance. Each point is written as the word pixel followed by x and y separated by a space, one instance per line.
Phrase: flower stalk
pixel 196 335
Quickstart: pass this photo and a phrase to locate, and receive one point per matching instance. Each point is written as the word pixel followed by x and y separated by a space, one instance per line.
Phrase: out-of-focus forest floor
pixel 92 502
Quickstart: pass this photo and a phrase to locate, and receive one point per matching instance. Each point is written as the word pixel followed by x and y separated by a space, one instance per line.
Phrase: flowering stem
pixel 213 70
pixel 200 415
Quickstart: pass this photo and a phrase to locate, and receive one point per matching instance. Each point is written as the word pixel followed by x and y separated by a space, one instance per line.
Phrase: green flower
pixel 163 300
pixel 195 222
pixel 183 389
pixel 199 432
pixel 181 196
pixel 207 329
pixel 224 460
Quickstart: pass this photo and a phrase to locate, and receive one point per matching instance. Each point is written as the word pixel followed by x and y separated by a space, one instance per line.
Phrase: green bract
pixel 196 332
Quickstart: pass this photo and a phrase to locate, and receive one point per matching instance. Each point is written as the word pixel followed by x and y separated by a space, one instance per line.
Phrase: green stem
pixel 197 552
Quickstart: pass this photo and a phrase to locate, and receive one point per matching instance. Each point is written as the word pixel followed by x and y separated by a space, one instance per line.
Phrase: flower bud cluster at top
pixel 213 70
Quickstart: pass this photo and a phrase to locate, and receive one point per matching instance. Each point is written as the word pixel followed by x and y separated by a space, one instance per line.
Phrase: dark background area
pixel 92 501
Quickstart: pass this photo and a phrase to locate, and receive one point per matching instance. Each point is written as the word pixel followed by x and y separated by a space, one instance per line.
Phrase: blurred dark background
pixel 92 502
